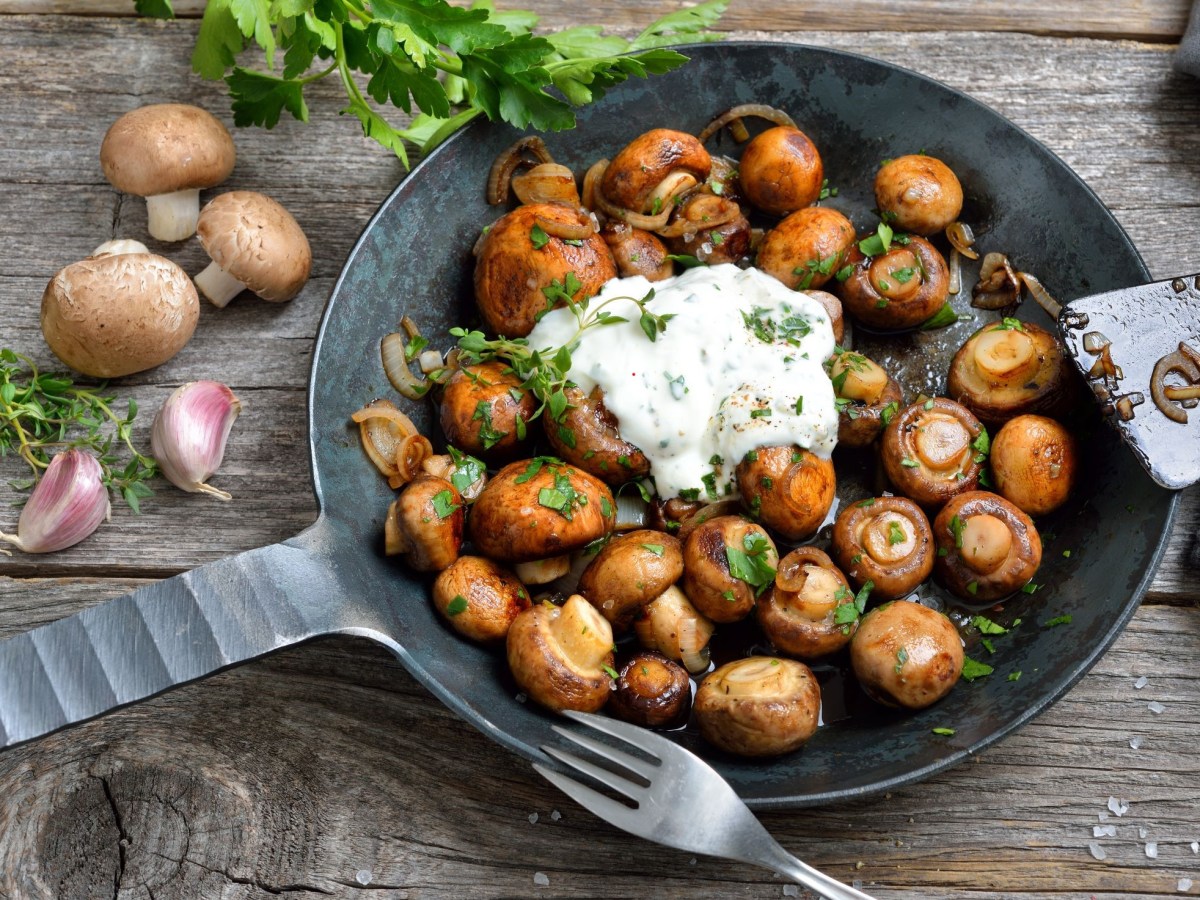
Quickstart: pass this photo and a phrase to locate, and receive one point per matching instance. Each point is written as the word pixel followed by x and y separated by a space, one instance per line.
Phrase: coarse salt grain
pixel 857 884
pixel 555 816
pixel 1152 850
pixel 790 890
pixel 1196 846
pixel 541 879
pixel 1143 832
pixel 1155 707
pixel 1097 851
pixel 521 698
pixel 1141 682
pixel 533 817
pixel 692 861
pixel 1136 742
pixel 1103 816
pixel 1184 884
pixel 1117 807
pixel 363 877
pixel 1104 831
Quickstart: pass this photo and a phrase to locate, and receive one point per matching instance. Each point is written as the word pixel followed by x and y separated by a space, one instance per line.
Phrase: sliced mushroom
pixel 885 542
pixel 758 706
pixel 167 153
pixel 630 571
pixel 906 655
pixel 652 691
pixel 1035 462
pixel 992 548
pixel 255 245
pixel 428 518
pixel 479 598
pixel 712 554
pixel 561 657
pixel 934 450
pixel 788 489
pixel 800 614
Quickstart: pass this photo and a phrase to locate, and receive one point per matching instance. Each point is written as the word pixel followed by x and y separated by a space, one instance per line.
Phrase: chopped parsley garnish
pixel 1008 323
pixel 982 445
pixel 488 435
pixel 987 626
pixel 847 613
pixel 715 460
pixel 903 276
pixel 944 732
pixel 878 243
pixel 929 404
pixel 799 406
pixel 561 498
pixel 610 671
pixel 443 504
pixel 605 507
pixel 760 413
pixel 988 645
pixel 956 529
pixel 728 595
pixel 901 659
pixel 909 463
pixel 656 549
pixel 686 260
pixel 973 669
pixel 689 494
pixel 870 501
pixel 677 384
pixel 1030 588
pixel 1058 620
pixel 940 319
pixel 844 272
pixel 1013 676
pixel 889 412
pixel 538 237
pixel 456 606
pixel 467 469
pixel 895 533
pixel 973 588
pixel 751 565
pixel 710 485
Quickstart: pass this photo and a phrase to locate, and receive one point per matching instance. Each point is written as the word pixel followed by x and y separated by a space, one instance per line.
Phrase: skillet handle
pixel 165 634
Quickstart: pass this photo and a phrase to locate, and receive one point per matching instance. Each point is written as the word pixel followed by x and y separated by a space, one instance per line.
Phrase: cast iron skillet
pixel 414 257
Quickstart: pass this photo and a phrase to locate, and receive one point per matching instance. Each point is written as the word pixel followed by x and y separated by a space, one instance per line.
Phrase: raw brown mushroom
pixel 885 542
pixel 992 548
pixel 934 450
pixel 117 314
pixel 479 598
pixel 631 570
pixel 562 656
pixel 1035 461
pixel 167 153
pixel 255 245
pixel 906 655
pixel 758 706
pixel 799 614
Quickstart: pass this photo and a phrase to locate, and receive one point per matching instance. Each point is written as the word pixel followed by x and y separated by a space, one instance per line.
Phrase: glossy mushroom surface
pixel 637 252
pixel 781 171
pixel 710 228
pixel 833 306
pixel 1035 463
pixel 644 162
pixel 865 395
pixel 900 287
pixel 992 548
pixel 906 655
pixel 479 598
pixel 429 516
pixel 787 489
pixel 561 656
pixel 539 508
pixel 758 706
pixel 587 435
pixel 800 613
pixel 630 571
pixel 711 555
pixel 932 451
pixel 918 193
pixel 807 248
pixel 652 691
pixel 671 625
pixel 885 542
pixel 515 264
pixel 479 409
pixel 1009 368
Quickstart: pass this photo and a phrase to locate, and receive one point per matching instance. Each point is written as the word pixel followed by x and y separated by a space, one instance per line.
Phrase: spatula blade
pixel 1142 326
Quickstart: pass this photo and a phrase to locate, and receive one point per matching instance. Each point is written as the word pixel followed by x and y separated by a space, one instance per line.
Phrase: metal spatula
pixel 1139 349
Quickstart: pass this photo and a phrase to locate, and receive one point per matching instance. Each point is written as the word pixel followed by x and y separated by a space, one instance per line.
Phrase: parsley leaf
pixel 751 565
pixel 973 669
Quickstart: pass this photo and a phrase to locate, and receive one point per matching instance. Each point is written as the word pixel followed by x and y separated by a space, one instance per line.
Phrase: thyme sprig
pixel 42 414
pixel 544 372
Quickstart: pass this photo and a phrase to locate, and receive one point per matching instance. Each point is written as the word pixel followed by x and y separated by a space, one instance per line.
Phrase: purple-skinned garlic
pixel 189 434
pixel 68 503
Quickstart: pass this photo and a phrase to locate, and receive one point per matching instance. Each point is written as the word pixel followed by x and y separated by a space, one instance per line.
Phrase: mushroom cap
pixel 108 316
pixel 166 147
pixel 256 241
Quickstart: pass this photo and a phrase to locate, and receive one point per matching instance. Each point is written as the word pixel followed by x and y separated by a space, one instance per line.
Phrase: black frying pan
pixel 414 257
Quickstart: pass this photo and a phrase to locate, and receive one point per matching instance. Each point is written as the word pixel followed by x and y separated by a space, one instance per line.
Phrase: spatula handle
pixel 162 635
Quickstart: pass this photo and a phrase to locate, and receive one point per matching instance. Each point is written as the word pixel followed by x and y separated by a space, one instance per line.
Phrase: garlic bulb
pixel 189 434
pixel 69 503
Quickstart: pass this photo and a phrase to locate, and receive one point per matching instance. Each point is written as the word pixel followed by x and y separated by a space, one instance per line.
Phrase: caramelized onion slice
pixel 735 115
pixel 962 239
pixel 383 429
pixel 1040 294
pixel 998 286
pixel 567 231
pixel 527 150
pixel 1185 362
pixel 395 366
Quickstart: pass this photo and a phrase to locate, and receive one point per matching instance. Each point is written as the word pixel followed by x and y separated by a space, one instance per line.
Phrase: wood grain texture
pixel 1155 20
pixel 292 775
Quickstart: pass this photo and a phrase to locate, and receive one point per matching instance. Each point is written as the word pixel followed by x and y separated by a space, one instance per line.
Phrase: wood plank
pixel 1153 20
pixel 302 770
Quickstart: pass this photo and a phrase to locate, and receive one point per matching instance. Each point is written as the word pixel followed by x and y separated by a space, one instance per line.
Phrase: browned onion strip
pixel 546 183
pixel 955 271
pixel 591 180
pixel 567 231
pixel 413 451
pixel 962 239
pixel 735 114
pixel 383 429
pixel 685 224
pixel 629 217
pixel 1192 392
pixel 395 366
pixel 998 286
pixel 1184 362
pixel 674 185
pixel 500 176
pixel 1040 294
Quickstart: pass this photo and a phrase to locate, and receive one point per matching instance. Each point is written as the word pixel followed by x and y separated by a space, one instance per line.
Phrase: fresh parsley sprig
pixel 42 414
pixel 450 64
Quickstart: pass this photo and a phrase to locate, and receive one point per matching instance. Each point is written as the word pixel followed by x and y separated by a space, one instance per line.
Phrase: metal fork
pixel 684 804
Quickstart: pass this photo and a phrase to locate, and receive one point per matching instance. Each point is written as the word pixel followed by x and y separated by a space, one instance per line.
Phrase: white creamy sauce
pixel 727 375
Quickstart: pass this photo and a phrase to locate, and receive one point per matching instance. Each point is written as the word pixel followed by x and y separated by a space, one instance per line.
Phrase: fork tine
pixel 646 741
pixel 618 783
pixel 607 751
pixel 592 800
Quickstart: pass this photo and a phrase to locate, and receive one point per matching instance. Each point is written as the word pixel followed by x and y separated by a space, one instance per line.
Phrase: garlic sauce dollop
pixel 738 367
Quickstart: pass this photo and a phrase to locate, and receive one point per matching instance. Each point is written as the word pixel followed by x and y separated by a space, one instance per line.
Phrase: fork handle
pixel 787 865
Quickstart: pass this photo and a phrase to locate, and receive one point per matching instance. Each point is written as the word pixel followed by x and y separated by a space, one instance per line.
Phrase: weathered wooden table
pixel 327 770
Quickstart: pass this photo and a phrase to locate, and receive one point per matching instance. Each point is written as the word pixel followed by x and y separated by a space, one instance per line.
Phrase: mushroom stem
pixel 173 217
pixel 218 285
pixel 119 247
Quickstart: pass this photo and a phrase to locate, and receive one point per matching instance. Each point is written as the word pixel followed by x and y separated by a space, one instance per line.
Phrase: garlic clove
pixel 69 503
pixel 189 434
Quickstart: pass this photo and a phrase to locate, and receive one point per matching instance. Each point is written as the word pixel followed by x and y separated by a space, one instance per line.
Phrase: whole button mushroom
pixel 119 313
pixel 809 610
pixel 562 656
pixel 906 655
pixel 479 598
pixel 991 547
pixel 167 153
pixel 1035 461
pixel 727 562
pixel 758 706
pixel 255 245
pixel 629 572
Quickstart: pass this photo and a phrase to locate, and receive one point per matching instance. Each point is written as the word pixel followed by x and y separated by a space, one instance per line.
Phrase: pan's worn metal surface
pixel 414 257
pixel 1152 334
